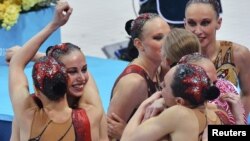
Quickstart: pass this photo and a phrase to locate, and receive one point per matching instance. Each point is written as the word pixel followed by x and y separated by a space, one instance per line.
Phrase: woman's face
pixel 209 67
pixel 152 38
pixel 77 72
pixel 201 19
pixel 167 93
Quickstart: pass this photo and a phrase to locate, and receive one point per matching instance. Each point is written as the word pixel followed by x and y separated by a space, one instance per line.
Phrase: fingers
pixel 64 8
pixel 111 131
pixel 111 121
pixel 115 129
pixel 10 52
pixel 152 98
pixel 230 97
pixel 147 114
pixel 155 112
pixel 117 118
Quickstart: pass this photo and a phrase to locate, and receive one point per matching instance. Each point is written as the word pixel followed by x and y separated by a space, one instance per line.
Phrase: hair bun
pixel 212 93
pixel 128 26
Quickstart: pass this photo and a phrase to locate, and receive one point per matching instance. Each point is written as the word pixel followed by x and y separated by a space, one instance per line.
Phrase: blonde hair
pixel 178 43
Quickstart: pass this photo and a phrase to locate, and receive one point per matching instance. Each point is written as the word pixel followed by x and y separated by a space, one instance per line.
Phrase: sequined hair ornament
pixel 57 50
pixel 46 67
pixel 134 27
pixel 193 83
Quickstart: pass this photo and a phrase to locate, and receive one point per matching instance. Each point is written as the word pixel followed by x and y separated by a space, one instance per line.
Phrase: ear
pixel 184 20
pixel 169 62
pixel 179 101
pixel 138 44
pixel 219 21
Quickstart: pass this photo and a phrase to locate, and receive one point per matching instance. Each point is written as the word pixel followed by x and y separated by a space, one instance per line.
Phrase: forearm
pixel 27 52
pixel 103 129
pixel 38 55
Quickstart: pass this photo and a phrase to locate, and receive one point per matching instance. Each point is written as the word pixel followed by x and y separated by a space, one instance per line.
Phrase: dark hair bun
pixel 128 26
pixel 56 87
pixel 212 93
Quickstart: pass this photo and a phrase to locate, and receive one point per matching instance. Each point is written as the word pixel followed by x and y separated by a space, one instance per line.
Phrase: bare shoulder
pixel 133 78
pixel 179 118
pixel 131 83
pixel 240 49
pixel 241 54
pixel 179 112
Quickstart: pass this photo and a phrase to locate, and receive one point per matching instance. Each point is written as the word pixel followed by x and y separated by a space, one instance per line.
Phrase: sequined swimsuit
pixel 224 63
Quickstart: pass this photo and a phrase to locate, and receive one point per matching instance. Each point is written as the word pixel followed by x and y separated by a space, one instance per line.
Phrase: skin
pixel 80 85
pixel 232 99
pixel 24 105
pixel 169 123
pixel 78 76
pixel 131 90
pixel 201 19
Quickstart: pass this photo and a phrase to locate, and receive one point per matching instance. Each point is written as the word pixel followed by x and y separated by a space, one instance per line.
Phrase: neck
pixel 150 67
pixel 211 50
pixel 58 111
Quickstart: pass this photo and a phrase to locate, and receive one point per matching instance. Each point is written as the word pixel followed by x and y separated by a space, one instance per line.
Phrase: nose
pixel 82 77
pixel 197 30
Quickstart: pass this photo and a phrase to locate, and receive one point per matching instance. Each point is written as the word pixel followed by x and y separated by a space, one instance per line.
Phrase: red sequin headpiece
pixel 197 82
pixel 138 23
pixel 61 47
pixel 47 67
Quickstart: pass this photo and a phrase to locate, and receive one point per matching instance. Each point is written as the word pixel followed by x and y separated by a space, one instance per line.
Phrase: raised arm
pixel 18 85
pixel 153 128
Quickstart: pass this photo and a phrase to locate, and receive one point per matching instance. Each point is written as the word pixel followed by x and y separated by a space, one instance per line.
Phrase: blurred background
pixel 98 23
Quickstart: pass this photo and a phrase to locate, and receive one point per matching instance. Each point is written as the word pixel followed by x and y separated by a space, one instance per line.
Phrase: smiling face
pixel 76 69
pixel 153 33
pixel 202 20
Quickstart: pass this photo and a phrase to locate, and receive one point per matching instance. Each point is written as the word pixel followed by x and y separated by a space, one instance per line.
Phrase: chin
pixel 76 93
pixel 204 43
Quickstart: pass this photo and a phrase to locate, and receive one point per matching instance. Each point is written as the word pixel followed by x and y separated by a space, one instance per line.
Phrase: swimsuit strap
pixel 39 136
pixel 65 132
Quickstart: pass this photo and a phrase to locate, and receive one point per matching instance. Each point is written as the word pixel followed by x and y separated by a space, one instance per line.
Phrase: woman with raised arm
pixel 78 84
pixel 54 120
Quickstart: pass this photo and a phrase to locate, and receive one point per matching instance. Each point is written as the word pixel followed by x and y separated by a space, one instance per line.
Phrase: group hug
pixel 182 80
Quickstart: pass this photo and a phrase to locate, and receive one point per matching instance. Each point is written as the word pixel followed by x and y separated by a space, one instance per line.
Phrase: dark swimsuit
pixel 152 86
